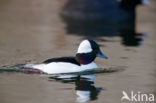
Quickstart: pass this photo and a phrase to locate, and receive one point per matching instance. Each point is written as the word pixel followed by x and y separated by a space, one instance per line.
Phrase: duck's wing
pixel 62 59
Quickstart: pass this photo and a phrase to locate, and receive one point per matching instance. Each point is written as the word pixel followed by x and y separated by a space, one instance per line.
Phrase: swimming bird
pixel 105 10
pixel 87 51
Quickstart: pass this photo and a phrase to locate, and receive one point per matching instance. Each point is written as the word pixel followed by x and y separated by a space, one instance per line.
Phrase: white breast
pixel 64 67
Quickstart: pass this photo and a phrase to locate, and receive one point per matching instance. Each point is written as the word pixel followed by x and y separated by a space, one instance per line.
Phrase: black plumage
pixel 62 59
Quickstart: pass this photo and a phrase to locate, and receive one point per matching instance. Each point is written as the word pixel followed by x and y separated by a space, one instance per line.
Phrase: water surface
pixel 32 31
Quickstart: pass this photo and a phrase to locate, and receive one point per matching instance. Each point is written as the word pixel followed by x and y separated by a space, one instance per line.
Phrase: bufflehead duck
pixel 83 61
pixel 107 10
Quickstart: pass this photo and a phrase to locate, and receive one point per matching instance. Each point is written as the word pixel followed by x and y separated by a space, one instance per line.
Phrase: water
pixel 84 86
pixel 83 81
pixel 36 30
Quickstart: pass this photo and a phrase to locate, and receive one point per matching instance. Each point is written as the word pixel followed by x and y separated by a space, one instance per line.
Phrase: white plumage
pixel 55 66
pixel 62 67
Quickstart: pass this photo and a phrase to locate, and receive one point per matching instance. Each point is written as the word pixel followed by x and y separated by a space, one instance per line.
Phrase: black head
pixel 88 51
pixel 131 4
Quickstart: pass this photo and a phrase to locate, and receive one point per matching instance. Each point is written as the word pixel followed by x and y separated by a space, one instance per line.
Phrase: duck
pixel 105 10
pixel 87 51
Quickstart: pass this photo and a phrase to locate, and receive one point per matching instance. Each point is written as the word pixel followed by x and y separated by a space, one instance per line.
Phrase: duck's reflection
pixel 98 29
pixel 84 86
pixel 93 19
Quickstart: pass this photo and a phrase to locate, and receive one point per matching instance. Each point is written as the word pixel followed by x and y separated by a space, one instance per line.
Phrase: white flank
pixel 62 67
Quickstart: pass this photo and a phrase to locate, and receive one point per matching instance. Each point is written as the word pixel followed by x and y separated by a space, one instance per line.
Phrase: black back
pixel 129 4
pixel 62 59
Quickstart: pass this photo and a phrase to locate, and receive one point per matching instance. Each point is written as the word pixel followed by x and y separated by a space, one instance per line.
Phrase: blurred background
pixel 35 30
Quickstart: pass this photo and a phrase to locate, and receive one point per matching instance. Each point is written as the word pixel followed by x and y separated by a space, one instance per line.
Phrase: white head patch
pixel 84 47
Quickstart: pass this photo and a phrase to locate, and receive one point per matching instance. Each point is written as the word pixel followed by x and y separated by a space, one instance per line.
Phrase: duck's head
pixel 88 50
pixel 131 4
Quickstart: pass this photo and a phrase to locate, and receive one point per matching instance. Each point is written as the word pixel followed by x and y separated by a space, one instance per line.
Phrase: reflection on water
pixel 101 18
pixel 84 86
pixel 32 30
pixel 97 29
pixel 84 81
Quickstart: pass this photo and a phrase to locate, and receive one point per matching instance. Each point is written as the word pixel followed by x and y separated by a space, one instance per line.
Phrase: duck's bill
pixel 101 55
pixel 146 2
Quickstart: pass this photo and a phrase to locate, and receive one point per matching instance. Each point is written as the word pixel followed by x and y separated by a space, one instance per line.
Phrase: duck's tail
pixel 33 68
pixel 28 66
